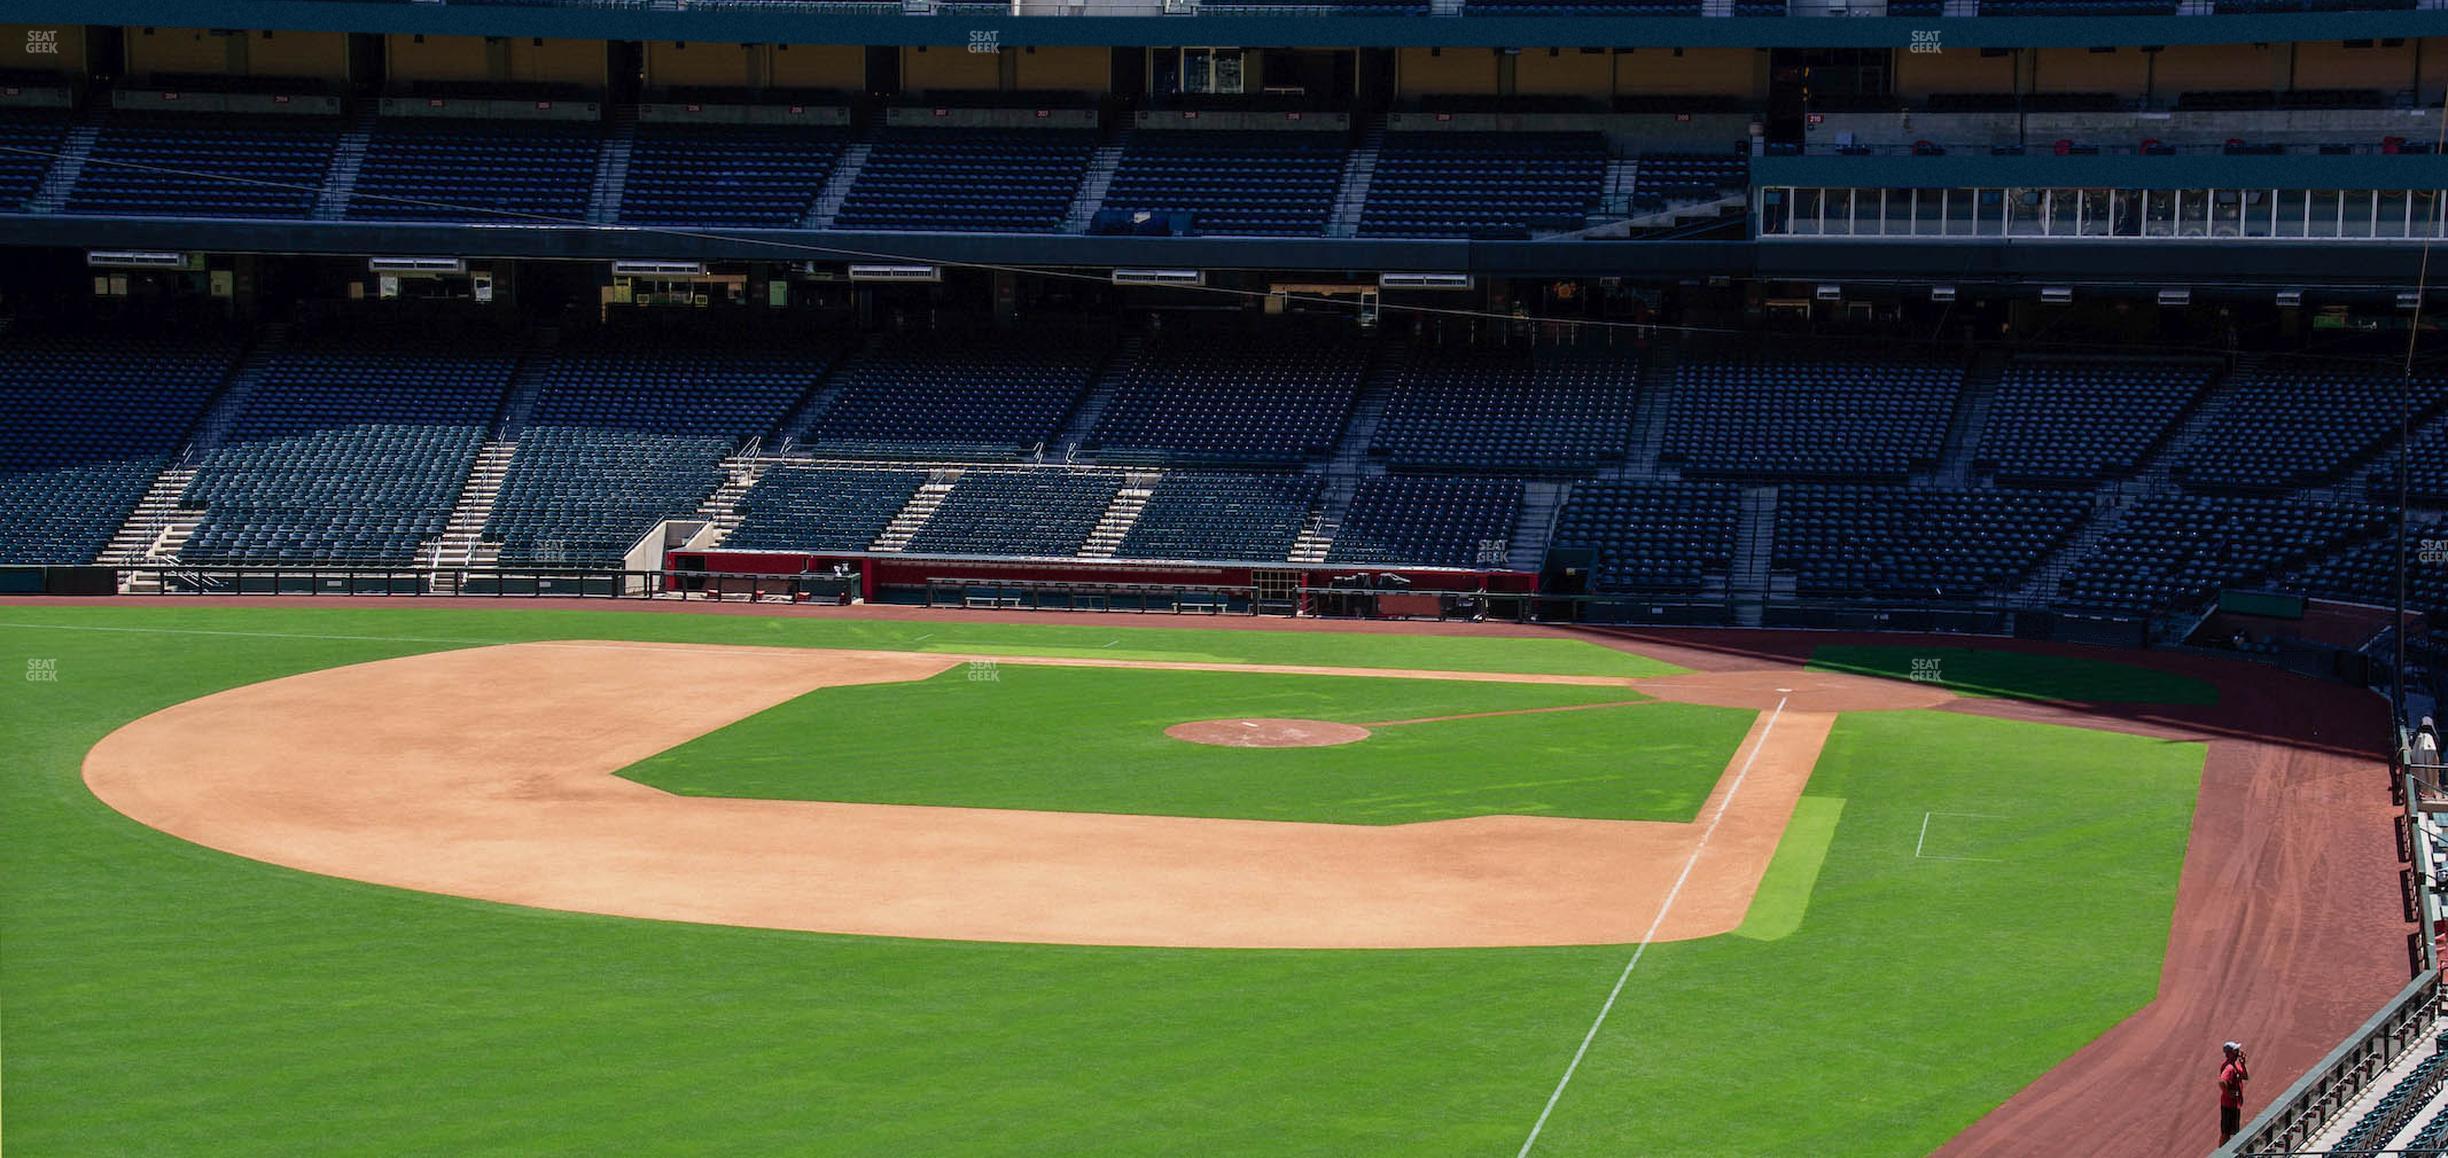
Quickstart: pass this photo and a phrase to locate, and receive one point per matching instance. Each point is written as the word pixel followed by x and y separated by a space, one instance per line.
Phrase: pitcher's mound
pixel 1267 733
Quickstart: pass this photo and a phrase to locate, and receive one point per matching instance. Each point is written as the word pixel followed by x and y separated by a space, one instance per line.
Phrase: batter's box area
pixel 1963 836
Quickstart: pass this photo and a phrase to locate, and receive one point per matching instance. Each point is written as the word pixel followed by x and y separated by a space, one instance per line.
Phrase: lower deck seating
pixel 1429 521
pixel 1911 543
pixel 91 419
pixel 1223 398
pixel 2292 426
pixel 1649 537
pixel 1837 417
pixel 1553 409
pixel 2072 421
pixel 821 508
pixel 2171 551
pixel 348 450
pixel 1218 516
pixel 629 429
pixel 1018 512
pixel 947 395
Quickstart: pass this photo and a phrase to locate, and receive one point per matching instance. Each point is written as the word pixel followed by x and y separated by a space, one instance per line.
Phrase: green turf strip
pixel 1785 890
pixel 488 623
pixel 163 998
pixel 1975 671
pixel 957 739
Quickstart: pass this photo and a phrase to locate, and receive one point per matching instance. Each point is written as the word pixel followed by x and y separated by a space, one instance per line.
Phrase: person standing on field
pixel 2231 1078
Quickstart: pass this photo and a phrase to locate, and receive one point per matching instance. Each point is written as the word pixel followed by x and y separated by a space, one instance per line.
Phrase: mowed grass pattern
pixel 1972 671
pixel 163 998
pixel 1093 740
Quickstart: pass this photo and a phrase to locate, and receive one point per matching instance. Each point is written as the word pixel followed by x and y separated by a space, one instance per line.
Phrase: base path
pixel 489 773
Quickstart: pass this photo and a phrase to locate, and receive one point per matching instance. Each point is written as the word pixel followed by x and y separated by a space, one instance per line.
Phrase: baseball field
pixel 350 879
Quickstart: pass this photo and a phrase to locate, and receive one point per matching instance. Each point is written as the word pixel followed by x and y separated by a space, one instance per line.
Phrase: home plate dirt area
pixel 490 773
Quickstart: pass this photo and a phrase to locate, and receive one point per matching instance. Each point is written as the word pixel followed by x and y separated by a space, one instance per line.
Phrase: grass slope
pixel 163 998
pixel 1916 993
pixel 955 740
pixel 2018 675
pixel 482 625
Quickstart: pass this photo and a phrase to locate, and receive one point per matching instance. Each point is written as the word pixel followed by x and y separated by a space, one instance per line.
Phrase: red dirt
pixel 1265 733
pixel 2286 931
pixel 487 772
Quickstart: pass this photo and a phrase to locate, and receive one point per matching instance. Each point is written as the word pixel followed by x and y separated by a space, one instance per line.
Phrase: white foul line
pixel 1925 819
pixel 1638 950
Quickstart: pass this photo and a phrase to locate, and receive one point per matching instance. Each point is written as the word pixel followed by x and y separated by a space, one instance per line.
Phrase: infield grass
pixel 982 743
pixel 163 998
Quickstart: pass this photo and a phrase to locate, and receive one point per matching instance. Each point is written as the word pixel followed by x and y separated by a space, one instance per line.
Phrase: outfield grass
pixel 1974 671
pixel 487 623
pixel 956 740
pixel 164 998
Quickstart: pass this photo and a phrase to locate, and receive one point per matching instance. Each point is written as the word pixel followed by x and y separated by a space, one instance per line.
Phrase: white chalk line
pixel 1924 838
pixel 1664 907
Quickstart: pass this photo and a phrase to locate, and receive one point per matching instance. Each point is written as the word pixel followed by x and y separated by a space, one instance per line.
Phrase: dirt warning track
pixel 488 773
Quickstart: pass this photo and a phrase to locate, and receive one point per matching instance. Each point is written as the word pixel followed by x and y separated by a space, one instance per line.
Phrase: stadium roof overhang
pixel 1209 28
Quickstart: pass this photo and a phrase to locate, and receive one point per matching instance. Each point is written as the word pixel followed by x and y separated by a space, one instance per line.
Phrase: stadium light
pixel 1159 277
pixel 896 273
pixel 138 259
pixel 2057 295
pixel 417 264
pixel 2290 298
pixel 658 269
pixel 1425 281
pixel 2176 297
pixel 1830 293
pixel 2409 300
pixel 1942 293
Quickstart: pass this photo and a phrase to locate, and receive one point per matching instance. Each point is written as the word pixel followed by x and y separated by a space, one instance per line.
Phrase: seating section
pixel 1666 538
pixel 91 420
pixel 1583 8
pixel 2397 1106
pixel 26 145
pixel 1229 399
pixel 1909 543
pixel 1429 521
pixel 1550 409
pixel 1493 185
pixel 2173 551
pixel 1663 179
pixel 2078 7
pixel 1018 512
pixel 194 166
pixel 1218 516
pixel 1832 417
pixel 2297 426
pixel 968 180
pixel 947 396
pixel 347 450
pixel 488 172
pixel 626 433
pixel 2082 420
pixel 1244 184
pixel 698 175
pixel 2366 573
pixel 821 508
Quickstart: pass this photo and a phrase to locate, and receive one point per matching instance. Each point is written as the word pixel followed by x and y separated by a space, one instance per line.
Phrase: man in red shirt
pixel 2231 1078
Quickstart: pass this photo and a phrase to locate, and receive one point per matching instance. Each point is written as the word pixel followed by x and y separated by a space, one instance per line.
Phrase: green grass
pixel 2017 675
pixel 162 998
pixel 488 624
pixel 955 740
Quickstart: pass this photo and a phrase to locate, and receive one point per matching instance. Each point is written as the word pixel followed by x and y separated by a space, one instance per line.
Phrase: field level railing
pixel 2315 1101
